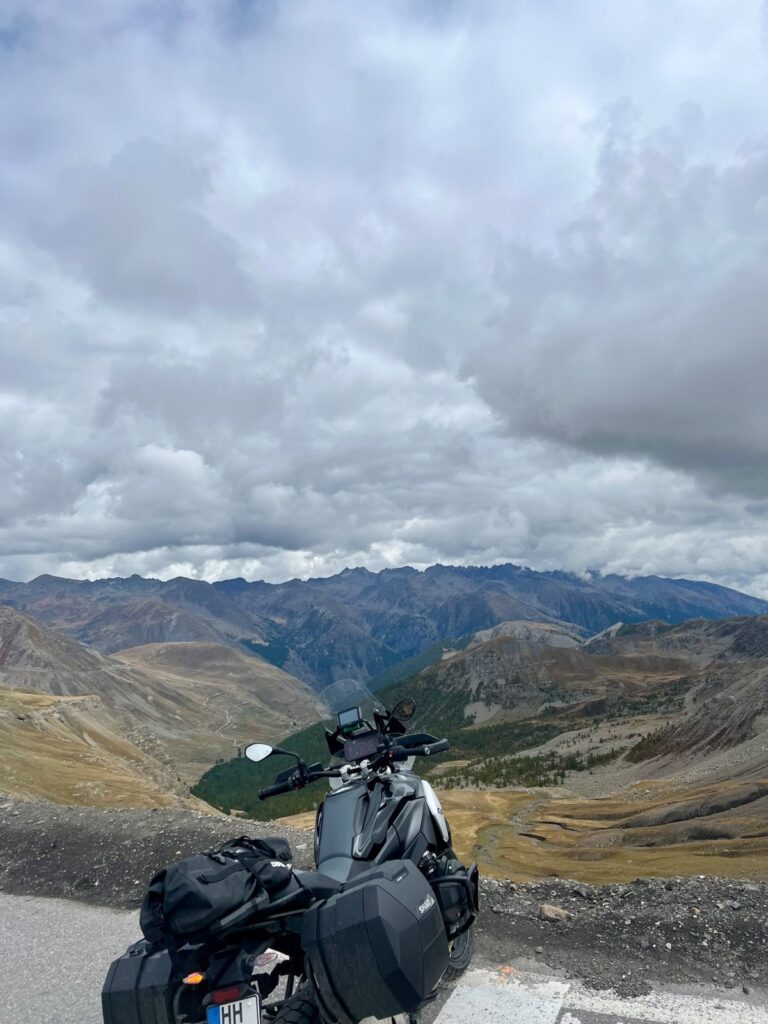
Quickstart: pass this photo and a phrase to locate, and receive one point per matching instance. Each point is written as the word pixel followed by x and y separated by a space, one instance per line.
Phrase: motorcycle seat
pixel 343 869
pixel 318 885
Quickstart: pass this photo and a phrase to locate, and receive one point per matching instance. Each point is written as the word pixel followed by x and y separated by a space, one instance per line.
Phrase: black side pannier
pixel 138 988
pixel 457 891
pixel 189 897
pixel 378 947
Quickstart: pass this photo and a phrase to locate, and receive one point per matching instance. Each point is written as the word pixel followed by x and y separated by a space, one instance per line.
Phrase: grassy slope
pixel 530 835
pixel 63 749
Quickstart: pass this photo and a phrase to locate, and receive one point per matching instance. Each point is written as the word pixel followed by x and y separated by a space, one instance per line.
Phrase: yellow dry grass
pixel 529 834
pixel 305 820
pixel 223 699
pixel 54 748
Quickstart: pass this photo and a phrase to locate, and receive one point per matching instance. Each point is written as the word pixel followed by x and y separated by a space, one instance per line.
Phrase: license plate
pixel 244 1011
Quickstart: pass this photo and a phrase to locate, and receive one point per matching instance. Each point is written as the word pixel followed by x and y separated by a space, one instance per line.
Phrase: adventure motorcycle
pixel 367 936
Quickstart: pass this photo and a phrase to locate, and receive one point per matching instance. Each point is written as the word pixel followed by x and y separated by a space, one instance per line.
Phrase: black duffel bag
pixel 191 896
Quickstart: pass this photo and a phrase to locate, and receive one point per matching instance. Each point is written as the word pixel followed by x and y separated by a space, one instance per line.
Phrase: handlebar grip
pixel 279 787
pixel 436 748
pixel 426 750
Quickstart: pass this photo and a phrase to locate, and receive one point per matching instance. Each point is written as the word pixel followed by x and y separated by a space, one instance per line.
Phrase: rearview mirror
pixel 258 751
pixel 404 709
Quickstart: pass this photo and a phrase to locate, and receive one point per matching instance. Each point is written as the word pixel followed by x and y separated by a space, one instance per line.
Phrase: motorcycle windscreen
pixel 349 706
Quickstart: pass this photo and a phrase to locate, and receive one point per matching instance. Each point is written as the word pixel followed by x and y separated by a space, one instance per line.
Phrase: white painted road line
pixel 508 995
pixel 661 1008
pixel 495 1004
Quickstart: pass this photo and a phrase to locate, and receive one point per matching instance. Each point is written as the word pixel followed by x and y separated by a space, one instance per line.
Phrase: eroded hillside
pixel 179 708
pixel 64 749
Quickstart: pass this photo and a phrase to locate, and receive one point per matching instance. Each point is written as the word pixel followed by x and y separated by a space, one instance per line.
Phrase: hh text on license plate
pixel 245 1011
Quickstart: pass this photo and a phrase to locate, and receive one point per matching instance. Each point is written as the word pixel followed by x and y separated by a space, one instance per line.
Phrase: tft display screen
pixel 358 747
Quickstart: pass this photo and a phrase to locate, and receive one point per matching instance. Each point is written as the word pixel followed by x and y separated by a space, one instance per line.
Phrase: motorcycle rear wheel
pixel 300 1008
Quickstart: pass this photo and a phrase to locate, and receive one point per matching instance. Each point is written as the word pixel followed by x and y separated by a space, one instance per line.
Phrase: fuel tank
pixel 363 823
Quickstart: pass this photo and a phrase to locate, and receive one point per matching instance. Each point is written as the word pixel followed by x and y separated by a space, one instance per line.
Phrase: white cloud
pixel 289 287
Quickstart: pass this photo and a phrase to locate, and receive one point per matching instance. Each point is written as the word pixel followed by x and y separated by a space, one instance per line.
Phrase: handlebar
pixel 301 777
pixel 403 753
pixel 297 781
pixel 280 787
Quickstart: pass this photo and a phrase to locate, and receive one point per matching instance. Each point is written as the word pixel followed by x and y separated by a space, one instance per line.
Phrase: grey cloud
pixel 642 331
pixel 138 232
pixel 289 287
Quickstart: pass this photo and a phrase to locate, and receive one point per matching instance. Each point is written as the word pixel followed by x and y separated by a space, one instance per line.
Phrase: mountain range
pixel 357 622
pixel 641 748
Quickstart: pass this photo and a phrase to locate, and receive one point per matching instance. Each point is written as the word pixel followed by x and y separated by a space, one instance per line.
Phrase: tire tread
pixel 301 1008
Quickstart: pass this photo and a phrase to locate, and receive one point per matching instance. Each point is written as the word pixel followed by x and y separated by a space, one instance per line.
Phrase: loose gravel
pixel 674 931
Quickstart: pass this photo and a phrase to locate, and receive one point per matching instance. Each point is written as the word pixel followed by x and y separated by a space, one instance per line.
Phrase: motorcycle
pixel 368 935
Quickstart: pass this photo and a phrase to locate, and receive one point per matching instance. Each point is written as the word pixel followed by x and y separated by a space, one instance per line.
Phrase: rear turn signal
pixel 194 979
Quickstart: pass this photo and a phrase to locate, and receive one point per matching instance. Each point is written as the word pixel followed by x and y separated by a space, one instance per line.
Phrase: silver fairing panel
pixel 436 810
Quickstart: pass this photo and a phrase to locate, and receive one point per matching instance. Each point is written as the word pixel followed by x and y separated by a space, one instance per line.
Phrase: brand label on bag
pixel 424 907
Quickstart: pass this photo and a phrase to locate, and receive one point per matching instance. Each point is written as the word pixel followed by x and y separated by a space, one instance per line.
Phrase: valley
pixel 669 778
pixel 165 712
pixel 607 840
pixel 639 750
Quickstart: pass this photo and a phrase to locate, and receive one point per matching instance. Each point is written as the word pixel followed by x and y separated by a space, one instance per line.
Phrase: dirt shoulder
pixel 677 931
pixel 711 931
pixel 107 856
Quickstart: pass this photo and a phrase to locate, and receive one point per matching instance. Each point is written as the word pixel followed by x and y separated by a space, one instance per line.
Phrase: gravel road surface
pixel 54 955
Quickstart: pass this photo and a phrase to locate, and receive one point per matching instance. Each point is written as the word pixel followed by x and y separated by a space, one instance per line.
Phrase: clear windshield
pixel 348 703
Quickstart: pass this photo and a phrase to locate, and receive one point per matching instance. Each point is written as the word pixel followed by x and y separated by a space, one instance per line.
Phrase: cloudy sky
pixel 289 286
